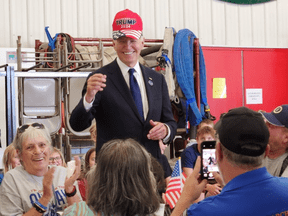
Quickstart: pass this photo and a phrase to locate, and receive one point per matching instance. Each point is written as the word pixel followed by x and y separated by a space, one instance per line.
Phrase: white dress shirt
pixel 138 75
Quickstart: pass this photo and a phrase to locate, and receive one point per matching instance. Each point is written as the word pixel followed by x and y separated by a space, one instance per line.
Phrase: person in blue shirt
pixel 190 154
pixel 250 189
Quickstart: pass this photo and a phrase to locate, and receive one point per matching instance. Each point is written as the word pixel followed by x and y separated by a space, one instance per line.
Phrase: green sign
pixel 247 1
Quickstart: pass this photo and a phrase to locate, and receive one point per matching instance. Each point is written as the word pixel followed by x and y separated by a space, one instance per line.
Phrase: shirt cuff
pixel 167 138
pixel 87 105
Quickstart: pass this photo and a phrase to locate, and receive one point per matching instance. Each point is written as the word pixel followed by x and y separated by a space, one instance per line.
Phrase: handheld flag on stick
pixel 175 185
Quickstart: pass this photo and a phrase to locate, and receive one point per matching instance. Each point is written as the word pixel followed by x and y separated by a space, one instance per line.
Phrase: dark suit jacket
pixel 116 113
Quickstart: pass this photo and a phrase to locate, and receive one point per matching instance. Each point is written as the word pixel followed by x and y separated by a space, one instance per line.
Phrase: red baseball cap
pixel 127 24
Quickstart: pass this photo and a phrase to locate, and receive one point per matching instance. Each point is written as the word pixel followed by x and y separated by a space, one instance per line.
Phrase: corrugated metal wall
pixel 214 22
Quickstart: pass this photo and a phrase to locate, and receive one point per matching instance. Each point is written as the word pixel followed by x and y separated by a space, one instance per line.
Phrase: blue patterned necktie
pixel 135 90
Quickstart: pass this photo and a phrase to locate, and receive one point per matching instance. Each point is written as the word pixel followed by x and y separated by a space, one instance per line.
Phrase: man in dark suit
pixel 107 95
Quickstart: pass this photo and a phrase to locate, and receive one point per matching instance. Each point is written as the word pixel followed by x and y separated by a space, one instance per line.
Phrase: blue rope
pixel 183 62
pixel 167 60
pixel 203 84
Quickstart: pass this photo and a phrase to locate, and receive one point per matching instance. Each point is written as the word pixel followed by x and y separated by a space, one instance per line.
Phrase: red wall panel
pixel 267 69
pixel 223 63
pixel 246 68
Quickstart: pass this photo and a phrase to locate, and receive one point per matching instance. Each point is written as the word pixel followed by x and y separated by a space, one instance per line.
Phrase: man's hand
pixel 95 83
pixel 213 190
pixel 193 188
pixel 158 131
pixel 162 146
pixel 219 179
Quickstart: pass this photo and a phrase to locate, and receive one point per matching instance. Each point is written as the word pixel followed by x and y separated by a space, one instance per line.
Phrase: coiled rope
pixel 184 66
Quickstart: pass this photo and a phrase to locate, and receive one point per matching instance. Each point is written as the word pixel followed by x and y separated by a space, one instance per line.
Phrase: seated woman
pixel 10 159
pixel 33 188
pixel 89 159
pixel 89 162
pixel 122 183
pixel 57 158
pixel 161 187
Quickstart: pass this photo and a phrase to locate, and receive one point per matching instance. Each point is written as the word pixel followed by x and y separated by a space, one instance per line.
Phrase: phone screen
pixel 209 163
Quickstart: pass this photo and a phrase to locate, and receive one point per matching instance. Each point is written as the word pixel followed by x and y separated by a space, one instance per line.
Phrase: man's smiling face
pixel 128 49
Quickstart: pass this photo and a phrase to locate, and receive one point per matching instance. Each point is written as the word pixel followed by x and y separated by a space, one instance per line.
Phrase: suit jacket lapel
pixel 148 81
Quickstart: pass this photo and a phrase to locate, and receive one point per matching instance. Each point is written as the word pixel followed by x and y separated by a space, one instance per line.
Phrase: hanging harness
pixel 184 67
pixel 165 60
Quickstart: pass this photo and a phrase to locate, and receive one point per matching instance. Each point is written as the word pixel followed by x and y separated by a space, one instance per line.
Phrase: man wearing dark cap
pixel 277 122
pixel 249 189
pixel 127 99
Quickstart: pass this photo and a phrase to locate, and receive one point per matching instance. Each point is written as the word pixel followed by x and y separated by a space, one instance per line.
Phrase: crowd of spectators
pixel 127 172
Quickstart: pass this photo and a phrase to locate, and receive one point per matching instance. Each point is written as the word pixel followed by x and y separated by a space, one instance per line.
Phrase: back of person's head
pixel 244 136
pixel 32 130
pixel 159 176
pixel 122 182
pixel 7 157
pixel 206 130
pixel 206 122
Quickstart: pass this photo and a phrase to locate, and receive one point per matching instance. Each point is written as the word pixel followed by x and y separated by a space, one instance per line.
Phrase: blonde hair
pixel 93 132
pixel 7 157
pixel 61 156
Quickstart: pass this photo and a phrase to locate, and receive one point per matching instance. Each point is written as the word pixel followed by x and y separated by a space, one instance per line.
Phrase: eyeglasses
pixel 51 159
pixel 25 126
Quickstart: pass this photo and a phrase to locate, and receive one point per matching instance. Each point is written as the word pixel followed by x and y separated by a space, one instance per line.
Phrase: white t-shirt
pixel 274 165
pixel 19 190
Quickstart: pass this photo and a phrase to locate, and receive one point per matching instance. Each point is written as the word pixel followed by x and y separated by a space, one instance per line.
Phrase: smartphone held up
pixel 208 160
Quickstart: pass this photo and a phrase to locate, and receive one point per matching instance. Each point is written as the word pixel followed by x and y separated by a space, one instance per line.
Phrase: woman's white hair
pixel 31 132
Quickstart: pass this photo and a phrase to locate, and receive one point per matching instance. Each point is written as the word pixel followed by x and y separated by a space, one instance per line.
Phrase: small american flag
pixel 175 185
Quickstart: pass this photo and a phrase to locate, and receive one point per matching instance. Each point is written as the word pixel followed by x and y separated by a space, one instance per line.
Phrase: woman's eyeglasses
pixel 55 158
pixel 25 126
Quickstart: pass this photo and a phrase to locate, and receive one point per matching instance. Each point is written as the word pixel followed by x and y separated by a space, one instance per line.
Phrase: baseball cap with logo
pixel 127 24
pixel 243 131
pixel 278 117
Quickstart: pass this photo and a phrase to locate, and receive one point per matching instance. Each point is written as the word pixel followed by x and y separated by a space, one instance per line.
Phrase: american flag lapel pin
pixel 150 81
